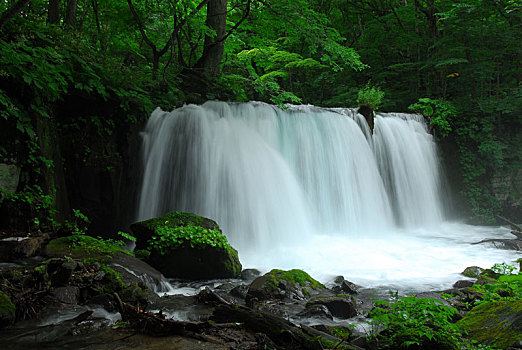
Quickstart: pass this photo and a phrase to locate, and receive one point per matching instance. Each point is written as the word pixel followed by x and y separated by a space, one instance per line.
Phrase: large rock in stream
pixel 188 246
pixel 278 284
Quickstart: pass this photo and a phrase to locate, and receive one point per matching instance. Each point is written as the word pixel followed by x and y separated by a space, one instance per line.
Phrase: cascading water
pixel 308 187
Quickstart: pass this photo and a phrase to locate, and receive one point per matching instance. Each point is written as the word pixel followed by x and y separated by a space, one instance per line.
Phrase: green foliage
pixel 441 113
pixel 39 204
pixel 370 96
pixel 411 321
pixel 167 238
pixel 506 285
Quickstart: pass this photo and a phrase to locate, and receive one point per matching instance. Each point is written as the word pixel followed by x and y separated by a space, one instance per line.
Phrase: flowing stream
pixel 310 188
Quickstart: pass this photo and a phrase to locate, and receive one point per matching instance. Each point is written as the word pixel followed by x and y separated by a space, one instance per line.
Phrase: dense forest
pixel 78 78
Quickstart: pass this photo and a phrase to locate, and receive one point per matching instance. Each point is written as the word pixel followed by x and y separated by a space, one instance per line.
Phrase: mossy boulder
pixel 189 246
pixel 81 247
pixel 145 230
pixel 496 324
pixel 279 284
pixel 7 311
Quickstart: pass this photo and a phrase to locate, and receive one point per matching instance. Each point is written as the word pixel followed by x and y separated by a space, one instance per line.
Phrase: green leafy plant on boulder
pixel 370 96
pixel 185 245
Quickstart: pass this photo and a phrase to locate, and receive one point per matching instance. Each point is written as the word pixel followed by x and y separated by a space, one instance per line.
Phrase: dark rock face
pixel 339 306
pixel 368 114
pixel 197 264
pixel 67 295
pixel 463 284
pixel 316 311
pixel 61 272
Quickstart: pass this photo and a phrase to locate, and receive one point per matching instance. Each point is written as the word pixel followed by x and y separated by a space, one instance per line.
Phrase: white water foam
pixel 310 188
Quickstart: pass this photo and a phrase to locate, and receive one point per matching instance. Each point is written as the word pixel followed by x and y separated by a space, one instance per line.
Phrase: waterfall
pixel 269 175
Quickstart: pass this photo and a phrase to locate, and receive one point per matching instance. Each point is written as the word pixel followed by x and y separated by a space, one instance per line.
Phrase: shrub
pixel 370 96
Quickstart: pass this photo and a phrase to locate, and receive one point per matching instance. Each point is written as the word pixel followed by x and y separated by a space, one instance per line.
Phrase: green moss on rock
pixel 7 311
pixel 81 246
pixel 295 284
pixel 496 324
pixel 293 276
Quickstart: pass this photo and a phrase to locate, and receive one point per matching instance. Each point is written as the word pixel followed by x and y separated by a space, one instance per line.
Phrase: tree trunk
pixel 213 49
pixel 53 12
pixel 54 176
pixel 13 11
pixel 70 14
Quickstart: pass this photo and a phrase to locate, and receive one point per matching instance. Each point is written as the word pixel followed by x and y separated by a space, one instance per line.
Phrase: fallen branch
pixel 155 324
pixel 515 229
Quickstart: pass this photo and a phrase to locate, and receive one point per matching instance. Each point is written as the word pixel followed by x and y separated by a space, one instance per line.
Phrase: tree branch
pixel 10 13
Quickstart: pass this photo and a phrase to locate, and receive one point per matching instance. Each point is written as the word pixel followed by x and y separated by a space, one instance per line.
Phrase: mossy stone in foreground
pixel 496 324
pixel 81 246
pixel 7 311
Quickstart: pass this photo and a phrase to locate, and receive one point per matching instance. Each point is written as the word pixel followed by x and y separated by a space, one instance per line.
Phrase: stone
pixel 249 274
pixel 317 311
pixel 67 295
pixel 63 273
pixel 30 247
pixel 340 306
pixel 472 271
pixel 497 323
pixel 239 291
pixel 463 284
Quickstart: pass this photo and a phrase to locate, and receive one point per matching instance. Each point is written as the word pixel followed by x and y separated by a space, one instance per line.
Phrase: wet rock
pixel 339 306
pixel 463 284
pixel 239 291
pixel 316 311
pixel 344 286
pixel 279 284
pixel 472 271
pixel 249 274
pixel 103 300
pixel 67 295
pixel 61 274
pixel 30 246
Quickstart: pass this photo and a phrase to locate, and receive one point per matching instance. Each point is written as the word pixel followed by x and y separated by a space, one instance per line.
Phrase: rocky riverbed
pixel 74 293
